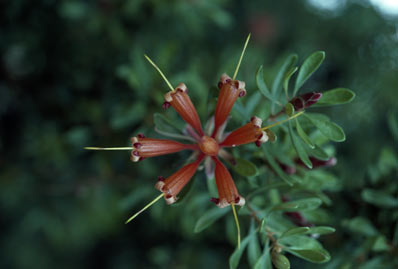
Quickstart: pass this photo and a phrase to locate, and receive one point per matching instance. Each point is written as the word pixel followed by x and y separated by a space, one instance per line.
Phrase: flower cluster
pixel 209 147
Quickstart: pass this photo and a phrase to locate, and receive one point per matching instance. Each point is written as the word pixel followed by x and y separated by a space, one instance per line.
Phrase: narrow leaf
pixel 336 96
pixel 296 230
pixel 209 217
pixel 379 198
pixel 299 205
pixel 288 75
pixel 261 84
pixel 303 135
pixel 318 153
pixel 274 165
pixel 311 255
pixel 298 146
pixel 329 129
pixel 308 230
pixel 280 261
pixel 287 66
pixel 264 262
pixel 245 168
pixel 309 66
pixel 253 250
pixel 235 257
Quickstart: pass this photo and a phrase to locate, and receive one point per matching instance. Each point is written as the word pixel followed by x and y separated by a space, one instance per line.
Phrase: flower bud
pixel 305 100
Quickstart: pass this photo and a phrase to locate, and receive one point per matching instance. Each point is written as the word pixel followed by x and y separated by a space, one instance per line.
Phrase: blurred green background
pixel 72 74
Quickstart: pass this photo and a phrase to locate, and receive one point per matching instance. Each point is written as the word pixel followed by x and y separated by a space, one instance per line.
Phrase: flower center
pixel 208 146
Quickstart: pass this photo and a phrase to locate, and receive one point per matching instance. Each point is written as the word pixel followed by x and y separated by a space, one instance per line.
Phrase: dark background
pixel 72 74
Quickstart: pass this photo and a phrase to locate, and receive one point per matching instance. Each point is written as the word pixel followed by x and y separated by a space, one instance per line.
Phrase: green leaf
pixel 311 255
pixel 318 153
pixel 336 96
pixel 261 84
pixel 264 262
pixel 300 242
pixel 235 257
pixel 280 261
pixel 298 146
pixel 308 230
pixel 286 68
pixel 274 165
pixel 288 75
pixel 209 217
pixel 329 129
pixel 360 225
pixel 379 198
pixel 321 230
pixel 245 168
pixel 289 109
pixel 253 250
pixel 309 66
pixel 296 230
pixel 166 127
pixel 380 244
pixel 303 135
pixel 299 205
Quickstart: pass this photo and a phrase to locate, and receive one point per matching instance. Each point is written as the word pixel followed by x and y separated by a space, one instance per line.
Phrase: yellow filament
pixel 237 223
pixel 120 148
pixel 282 121
pixel 241 57
pixel 145 208
pixel 160 72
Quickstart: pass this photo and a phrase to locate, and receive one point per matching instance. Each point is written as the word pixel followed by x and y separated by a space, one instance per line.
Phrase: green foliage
pixel 310 65
pixel 336 97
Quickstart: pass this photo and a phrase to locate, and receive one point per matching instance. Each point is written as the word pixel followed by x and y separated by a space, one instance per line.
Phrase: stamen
pixel 236 222
pixel 160 72
pixel 145 207
pixel 241 57
pixel 97 148
pixel 282 121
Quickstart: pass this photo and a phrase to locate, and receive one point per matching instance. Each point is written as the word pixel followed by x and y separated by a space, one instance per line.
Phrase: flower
pixel 208 146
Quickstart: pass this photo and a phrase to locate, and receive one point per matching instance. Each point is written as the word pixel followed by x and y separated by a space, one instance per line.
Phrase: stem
pixel 282 121
pixel 119 148
pixel 237 223
pixel 145 207
pixel 160 72
pixel 273 117
pixel 241 57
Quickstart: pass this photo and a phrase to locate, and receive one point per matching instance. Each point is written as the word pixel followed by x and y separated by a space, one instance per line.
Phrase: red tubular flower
pixel 230 90
pixel 172 185
pixel 206 146
pixel 251 132
pixel 181 102
pixel 150 147
pixel 227 192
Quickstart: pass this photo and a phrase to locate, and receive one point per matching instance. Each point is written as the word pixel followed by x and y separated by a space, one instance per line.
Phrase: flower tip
pixel 181 87
pixel 256 121
pixel 170 199
pixel 225 78
pixel 240 201
pixel 134 158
